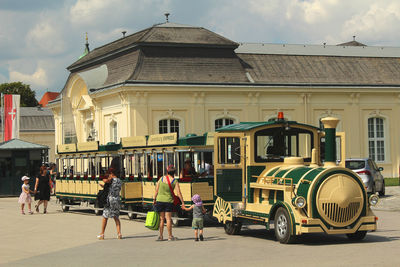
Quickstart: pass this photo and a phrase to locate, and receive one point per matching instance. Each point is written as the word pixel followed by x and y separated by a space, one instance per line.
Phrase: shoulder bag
pixel 177 201
pixel 102 195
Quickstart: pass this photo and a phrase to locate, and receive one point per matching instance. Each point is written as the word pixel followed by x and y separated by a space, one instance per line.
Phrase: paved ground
pixel 69 239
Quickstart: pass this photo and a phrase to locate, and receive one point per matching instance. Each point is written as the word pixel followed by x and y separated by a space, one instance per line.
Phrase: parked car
pixel 370 174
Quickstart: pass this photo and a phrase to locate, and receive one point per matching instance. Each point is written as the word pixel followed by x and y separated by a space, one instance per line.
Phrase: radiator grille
pixel 340 215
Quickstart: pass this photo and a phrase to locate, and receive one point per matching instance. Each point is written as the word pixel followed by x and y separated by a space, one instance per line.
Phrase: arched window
pixel 114 132
pixel 168 126
pixel 376 139
pixel 223 122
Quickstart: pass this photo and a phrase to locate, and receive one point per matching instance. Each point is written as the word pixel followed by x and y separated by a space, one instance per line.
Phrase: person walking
pixel 25 196
pixel 53 175
pixel 163 201
pixel 198 216
pixel 42 188
pixel 113 205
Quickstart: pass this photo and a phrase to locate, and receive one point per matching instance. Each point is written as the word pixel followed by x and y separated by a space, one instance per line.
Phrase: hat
pixel 171 168
pixel 197 200
pixel 25 178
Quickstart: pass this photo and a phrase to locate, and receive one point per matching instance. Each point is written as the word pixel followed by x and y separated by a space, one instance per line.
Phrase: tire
pixel 382 192
pixel 232 228
pixel 64 208
pixel 373 189
pixel 97 210
pixel 283 226
pixel 131 215
pixel 357 236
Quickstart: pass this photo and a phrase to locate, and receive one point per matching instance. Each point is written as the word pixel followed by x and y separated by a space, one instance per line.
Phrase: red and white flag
pixel 11 116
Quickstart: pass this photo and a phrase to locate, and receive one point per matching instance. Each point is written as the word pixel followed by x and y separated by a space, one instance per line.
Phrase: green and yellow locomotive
pixel 273 172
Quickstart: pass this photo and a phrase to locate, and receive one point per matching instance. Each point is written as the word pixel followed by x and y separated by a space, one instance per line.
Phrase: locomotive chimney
pixel 330 124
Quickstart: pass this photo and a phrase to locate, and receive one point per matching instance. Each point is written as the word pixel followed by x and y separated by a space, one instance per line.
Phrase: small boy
pixel 198 216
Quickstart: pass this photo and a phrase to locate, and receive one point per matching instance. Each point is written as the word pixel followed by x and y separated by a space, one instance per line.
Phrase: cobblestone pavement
pixel 69 239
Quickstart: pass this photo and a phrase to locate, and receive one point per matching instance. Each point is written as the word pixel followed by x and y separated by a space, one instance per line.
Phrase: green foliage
pixel 392 181
pixel 18 88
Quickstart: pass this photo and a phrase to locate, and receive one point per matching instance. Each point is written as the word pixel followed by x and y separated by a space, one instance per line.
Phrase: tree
pixel 18 88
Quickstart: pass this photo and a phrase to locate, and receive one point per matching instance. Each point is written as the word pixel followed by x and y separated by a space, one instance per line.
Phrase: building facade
pixel 178 78
pixel 37 126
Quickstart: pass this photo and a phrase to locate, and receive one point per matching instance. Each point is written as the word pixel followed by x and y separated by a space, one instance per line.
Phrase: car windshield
pixel 355 164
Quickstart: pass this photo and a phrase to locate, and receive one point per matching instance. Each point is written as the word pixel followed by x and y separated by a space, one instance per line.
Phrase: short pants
pixel 164 207
pixel 197 223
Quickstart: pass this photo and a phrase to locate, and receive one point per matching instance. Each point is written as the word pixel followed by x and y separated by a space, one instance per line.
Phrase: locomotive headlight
pixel 299 202
pixel 373 200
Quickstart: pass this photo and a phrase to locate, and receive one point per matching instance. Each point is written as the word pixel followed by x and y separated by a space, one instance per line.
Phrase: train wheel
pixel 97 210
pixel 131 215
pixel 283 227
pixel 64 206
pixel 357 236
pixel 232 228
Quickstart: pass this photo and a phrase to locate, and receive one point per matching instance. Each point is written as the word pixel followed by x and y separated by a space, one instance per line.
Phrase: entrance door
pixel 20 163
pixel 229 166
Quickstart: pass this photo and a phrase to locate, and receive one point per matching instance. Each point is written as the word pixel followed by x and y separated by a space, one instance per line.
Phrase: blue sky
pixel 39 39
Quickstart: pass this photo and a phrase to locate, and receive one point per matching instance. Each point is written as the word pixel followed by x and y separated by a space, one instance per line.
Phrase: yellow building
pixel 187 79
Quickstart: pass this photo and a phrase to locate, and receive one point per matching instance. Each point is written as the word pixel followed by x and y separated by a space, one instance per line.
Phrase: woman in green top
pixel 163 201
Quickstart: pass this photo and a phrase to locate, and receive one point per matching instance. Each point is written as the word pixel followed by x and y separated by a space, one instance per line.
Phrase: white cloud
pixel 379 23
pixel 46 38
pixel 37 79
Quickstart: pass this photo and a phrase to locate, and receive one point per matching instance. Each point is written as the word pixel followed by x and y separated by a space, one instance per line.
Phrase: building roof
pixel 322 70
pixel 318 50
pixel 17 144
pixel 48 96
pixel 164 34
pixel 33 119
pixel 172 53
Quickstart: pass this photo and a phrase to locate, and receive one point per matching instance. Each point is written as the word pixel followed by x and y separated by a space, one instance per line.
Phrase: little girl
pixel 25 197
pixel 198 216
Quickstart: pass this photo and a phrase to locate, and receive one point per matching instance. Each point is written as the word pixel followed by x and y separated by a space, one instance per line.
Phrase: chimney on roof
pixel 166 16
pixel 123 34
pixel 354 37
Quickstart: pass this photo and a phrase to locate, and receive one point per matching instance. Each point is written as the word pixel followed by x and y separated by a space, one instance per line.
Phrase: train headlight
pixel 373 200
pixel 299 202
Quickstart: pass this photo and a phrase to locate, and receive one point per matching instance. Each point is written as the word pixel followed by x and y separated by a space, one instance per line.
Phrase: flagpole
pixel 2 118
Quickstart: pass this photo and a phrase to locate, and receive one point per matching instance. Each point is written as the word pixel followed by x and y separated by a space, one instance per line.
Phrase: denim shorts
pixel 164 207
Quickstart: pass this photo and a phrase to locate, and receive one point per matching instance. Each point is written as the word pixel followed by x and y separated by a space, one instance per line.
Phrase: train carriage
pixel 144 159
pixel 273 173
pixel 145 164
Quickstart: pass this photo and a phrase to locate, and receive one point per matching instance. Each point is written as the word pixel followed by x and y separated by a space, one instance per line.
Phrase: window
pixel 274 144
pixel 114 132
pixel 168 126
pixel 376 139
pixel 223 122
pixel 229 150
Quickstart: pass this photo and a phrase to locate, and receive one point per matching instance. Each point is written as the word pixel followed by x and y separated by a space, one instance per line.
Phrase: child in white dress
pixel 25 197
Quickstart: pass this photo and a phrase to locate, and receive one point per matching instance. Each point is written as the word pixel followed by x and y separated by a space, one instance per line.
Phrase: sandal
pixel 100 237
pixel 23 212
pixel 119 236
pixel 160 238
pixel 30 212
pixel 37 208
pixel 172 238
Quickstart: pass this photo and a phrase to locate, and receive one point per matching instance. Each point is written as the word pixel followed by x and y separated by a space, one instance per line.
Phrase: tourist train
pixel 281 173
